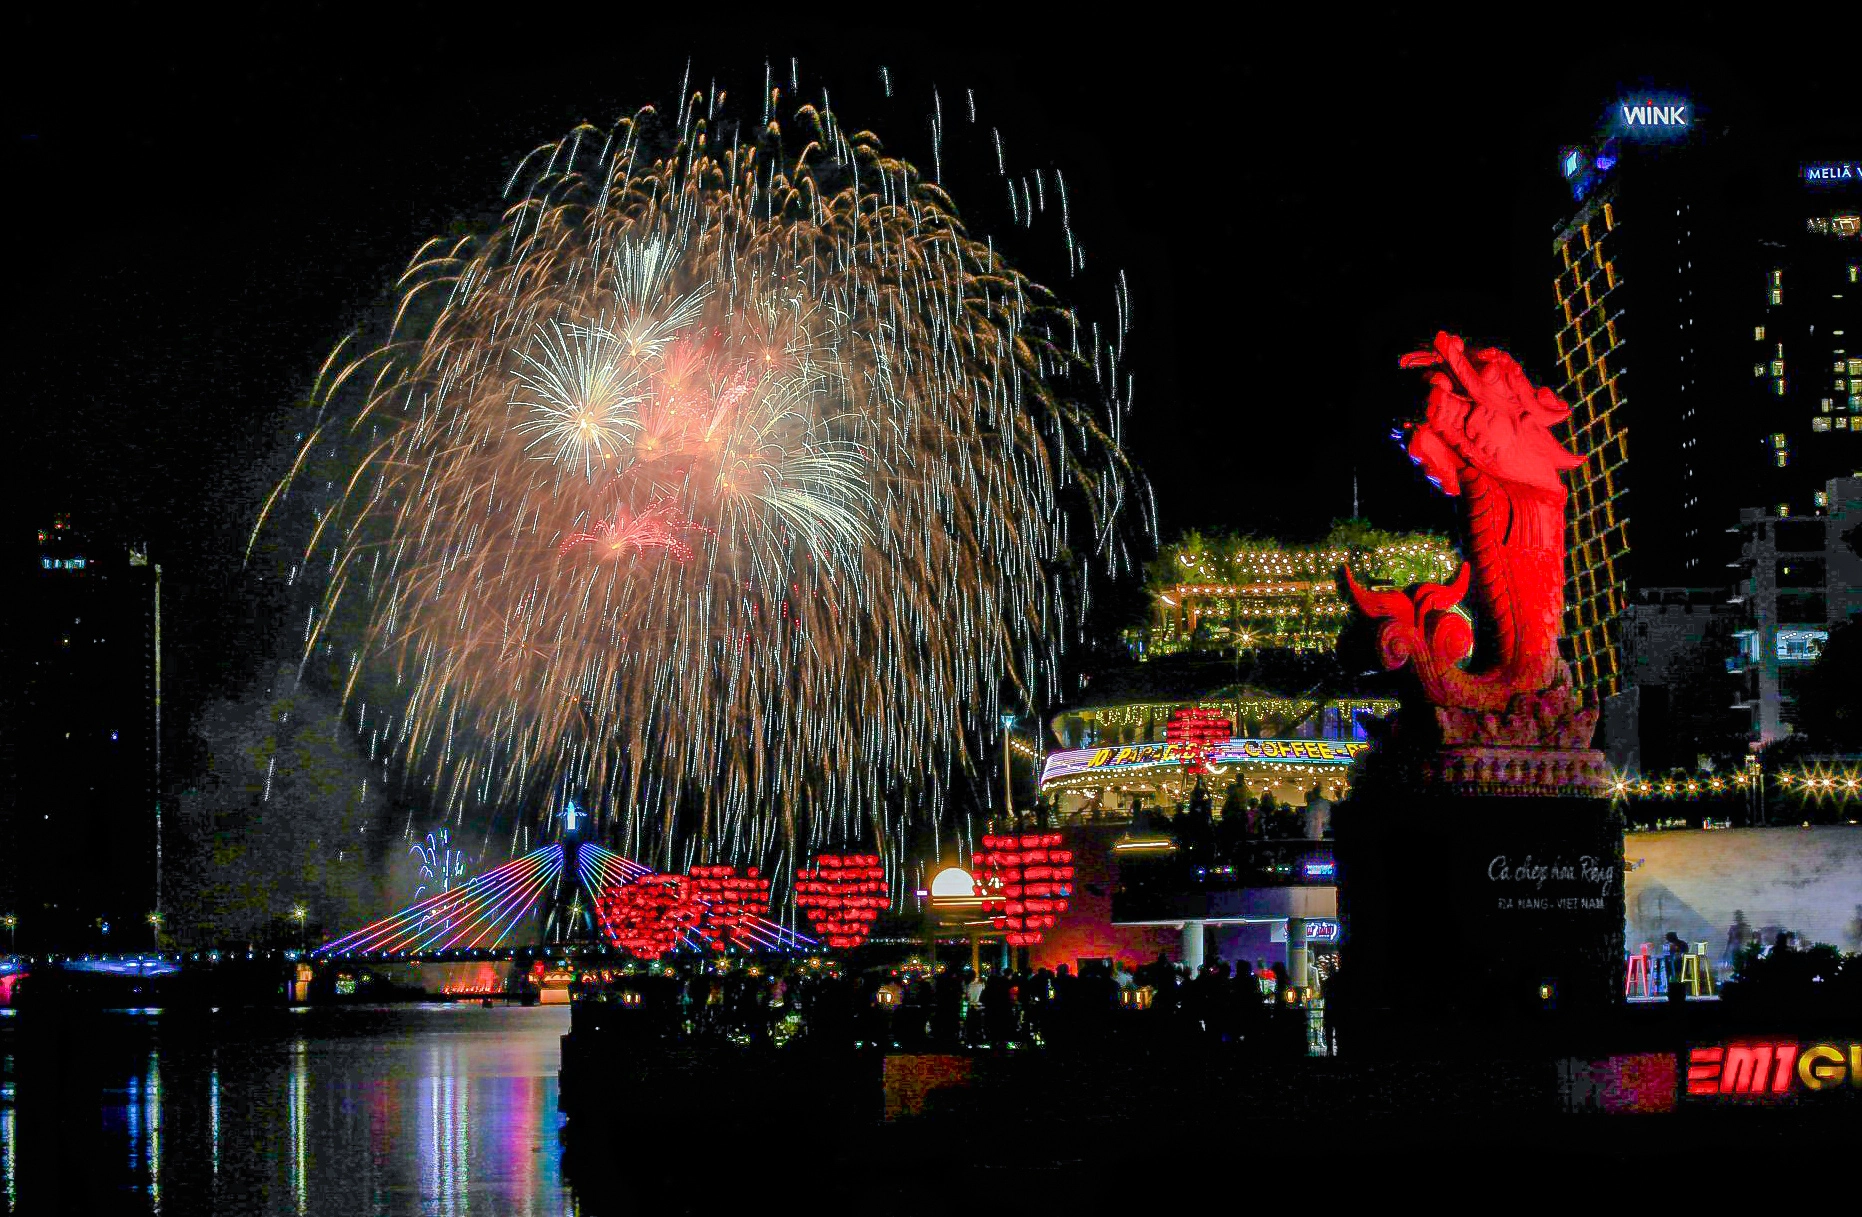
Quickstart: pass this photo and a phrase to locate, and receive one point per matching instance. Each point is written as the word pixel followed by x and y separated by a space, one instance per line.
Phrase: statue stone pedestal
pixel 1477 917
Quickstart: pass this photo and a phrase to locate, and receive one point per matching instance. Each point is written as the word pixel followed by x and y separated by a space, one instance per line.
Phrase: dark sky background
pixel 201 210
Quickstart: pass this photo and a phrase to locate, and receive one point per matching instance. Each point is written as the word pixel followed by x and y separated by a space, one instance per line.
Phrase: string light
pixel 1816 781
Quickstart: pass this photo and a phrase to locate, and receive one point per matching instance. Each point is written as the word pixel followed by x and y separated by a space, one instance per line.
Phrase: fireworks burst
pixel 728 483
pixel 438 864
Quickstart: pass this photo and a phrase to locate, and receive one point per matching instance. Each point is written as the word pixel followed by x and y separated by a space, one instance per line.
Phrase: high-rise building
pixel 1801 577
pixel 1805 301
pixel 1639 274
pixel 81 807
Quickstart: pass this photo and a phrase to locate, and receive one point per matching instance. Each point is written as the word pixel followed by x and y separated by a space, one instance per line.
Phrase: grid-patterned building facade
pixel 1641 279
pixel 1591 361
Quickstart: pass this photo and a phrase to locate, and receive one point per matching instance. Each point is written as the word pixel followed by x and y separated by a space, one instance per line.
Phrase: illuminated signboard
pixel 1319 868
pixel 1833 173
pixel 1131 758
pixel 1769 1069
pixel 1573 161
pixel 1650 115
pixel 1801 646
pixel 1323 931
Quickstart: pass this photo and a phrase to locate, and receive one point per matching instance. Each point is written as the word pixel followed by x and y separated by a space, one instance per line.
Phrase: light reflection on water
pixel 9 1138
pixel 431 1110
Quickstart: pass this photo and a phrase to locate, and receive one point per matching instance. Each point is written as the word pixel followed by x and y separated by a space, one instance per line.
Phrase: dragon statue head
pixel 1484 414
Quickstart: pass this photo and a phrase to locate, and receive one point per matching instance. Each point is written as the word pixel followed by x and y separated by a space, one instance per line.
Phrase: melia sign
pixel 1833 173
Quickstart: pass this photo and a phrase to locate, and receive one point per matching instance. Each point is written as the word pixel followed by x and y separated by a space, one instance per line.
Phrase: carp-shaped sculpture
pixel 1486 437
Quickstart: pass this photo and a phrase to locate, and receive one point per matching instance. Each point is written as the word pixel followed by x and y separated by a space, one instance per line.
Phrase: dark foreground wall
pixel 1482 916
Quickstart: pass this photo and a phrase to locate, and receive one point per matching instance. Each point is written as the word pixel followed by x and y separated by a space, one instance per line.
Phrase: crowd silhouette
pixel 918 1009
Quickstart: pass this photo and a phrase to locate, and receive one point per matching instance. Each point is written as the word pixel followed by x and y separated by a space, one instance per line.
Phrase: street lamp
pixel 298 914
pixel 155 929
pixel 11 922
pixel 1008 788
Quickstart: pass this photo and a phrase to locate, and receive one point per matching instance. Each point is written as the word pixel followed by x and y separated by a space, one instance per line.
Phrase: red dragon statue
pixel 1486 438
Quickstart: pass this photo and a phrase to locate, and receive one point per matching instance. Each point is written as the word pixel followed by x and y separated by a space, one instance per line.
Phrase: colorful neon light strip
pixel 483 911
pixel 429 921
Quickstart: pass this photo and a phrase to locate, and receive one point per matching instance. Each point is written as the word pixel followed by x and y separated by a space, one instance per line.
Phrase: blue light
pixel 1652 116
pixel 1573 160
pixel 124 967
pixel 1825 173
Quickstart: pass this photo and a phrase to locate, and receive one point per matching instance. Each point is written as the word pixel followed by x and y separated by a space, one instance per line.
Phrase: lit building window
pixel 1825 405
pixel 1784 458
pixel 1842 424
pixel 1777 440
pixel 1758 369
pixel 1779 385
pixel 1777 278
pixel 1801 645
pixel 1777 367
pixel 1819 423
pixel 1758 333
pixel 1777 296
pixel 1855 367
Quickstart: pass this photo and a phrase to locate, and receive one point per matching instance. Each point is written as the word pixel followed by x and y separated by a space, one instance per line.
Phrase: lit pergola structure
pixel 953 906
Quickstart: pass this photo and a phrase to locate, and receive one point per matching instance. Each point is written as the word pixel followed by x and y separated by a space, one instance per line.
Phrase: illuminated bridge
pixel 532 910
pixel 544 889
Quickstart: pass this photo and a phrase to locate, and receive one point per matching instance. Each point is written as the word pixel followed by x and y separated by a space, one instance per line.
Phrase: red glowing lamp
pixel 1026 884
pixel 1196 732
pixel 732 902
pixel 648 916
pixel 842 897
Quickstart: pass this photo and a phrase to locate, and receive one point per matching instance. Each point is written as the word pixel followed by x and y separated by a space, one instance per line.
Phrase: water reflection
pixel 213 1116
pixel 446 1139
pixel 298 1100
pixel 441 1110
pixel 152 1092
pixel 9 1134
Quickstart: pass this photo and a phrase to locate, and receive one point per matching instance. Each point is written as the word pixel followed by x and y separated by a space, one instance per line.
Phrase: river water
pixel 430 1109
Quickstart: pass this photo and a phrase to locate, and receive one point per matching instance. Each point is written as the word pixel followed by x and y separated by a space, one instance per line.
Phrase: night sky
pixel 201 212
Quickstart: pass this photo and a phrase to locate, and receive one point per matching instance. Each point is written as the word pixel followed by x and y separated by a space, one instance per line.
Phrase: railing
pixel 1276 862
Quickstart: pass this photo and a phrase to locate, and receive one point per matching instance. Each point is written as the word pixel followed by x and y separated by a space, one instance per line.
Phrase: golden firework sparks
pixel 725 485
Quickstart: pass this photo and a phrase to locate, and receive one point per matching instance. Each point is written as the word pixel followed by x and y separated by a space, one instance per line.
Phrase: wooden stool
pixel 1637 975
pixel 1706 968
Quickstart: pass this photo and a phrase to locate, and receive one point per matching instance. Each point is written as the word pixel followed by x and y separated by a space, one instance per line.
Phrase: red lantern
pixel 731 902
pixel 1195 732
pixel 842 897
pixel 1027 882
pixel 648 916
